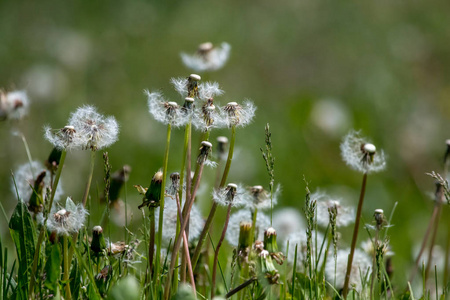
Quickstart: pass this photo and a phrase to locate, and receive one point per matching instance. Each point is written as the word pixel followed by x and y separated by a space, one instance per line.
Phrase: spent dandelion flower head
pixel 360 155
pixel 258 198
pixel 368 247
pixel 14 104
pixel 67 220
pixel 187 86
pixel 345 214
pixel 164 111
pixel 25 176
pixel 360 269
pixel 234 114
pixel 233 194
pixel 66 138
pixel 244 215
pixel 206 116
pixel 170 215
pixel 94 130
pixel 207 58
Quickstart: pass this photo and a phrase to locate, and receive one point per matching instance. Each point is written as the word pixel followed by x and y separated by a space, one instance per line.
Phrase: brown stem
pixel 355 236
pixel 186 210
pixel 240 287
pixel 433 238
pixel 372 279
pixel 216 253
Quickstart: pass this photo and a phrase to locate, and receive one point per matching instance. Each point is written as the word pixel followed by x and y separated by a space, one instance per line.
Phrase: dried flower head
pixel 360 269
pixel 94 130
pixel 189 87
pixel 233 194
pixel 170 221
pixel 13 105
pixel 234 114
pixel 205 152
pixel 65 138
pixel 206 116
pixel 361 155
pixel 207 57
pixel 244 215
pixel 67 220
pixel 164 111
pixel 25 176
pixel 259 198
pixel 345 214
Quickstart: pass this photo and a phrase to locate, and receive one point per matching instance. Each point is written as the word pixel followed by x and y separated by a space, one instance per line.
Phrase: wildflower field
pixel 197 150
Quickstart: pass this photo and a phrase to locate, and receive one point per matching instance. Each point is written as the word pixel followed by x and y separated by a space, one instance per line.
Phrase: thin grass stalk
pixel 42 231
pixel 433 238
pixel 216 252
pixel 372 278
pixel 66 266
pixel 355 236
pixel 212 212
pixel 161 206
pixel 27 149
pixel 447 254
pixel 186 210
pixel 151 247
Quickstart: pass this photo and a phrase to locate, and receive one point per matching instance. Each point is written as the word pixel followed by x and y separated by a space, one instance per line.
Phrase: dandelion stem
pixel 151 247
pixel 433 238
pixel 375 245
pixel 355 236
pixel 240 287
pixel 212 212
pixel 42 231
pixel 161 201
pixel 66 268
pixel 186 210
pixel 216 252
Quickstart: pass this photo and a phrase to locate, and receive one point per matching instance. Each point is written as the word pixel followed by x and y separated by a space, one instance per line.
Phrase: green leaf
pixel 53 268
pixel 23 234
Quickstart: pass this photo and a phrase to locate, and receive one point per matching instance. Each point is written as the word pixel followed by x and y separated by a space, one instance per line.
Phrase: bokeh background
pixel 314 68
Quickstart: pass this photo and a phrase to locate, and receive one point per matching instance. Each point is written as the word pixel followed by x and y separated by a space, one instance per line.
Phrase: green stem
pixel 27 149
pixel 42 231
pixel 355 236
pixel 254 216
pixel 151 247
pixel 161 203
pixel 212 212
pixel 66 268
pixel 372 279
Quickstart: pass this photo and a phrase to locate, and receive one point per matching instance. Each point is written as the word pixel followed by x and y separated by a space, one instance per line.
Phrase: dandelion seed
pixel 360 269
pixel 232 194
pixel 67 220
pixel 345 214
pixel 207 58
pixel 95 131
pixel 25 180
pixel 65 138
pixel 258 198
pixel 13 105
pixel 234 114
pixel 232 235
pixel 170 221
pixel 361 155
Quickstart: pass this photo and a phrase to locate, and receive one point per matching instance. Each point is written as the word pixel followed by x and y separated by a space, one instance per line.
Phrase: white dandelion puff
pixel 13 105
pixel 360 155
pixel 286 221
pixel 243 215
pixel 66 138
pixel 94 130
pixel 345 214
pixel 170 221
pixel 233 114
pixel 233 194
pixel 360 269
pixel 186 87
pixel 26 174
pixel 164 111
pixel 67 220
pixel 259 198
pixel 207 57
pixel 299 239
pixel 206 117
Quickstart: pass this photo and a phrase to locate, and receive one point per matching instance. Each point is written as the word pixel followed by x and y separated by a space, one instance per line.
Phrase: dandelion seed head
pixel 260 199
pixel 14 105
pixel 360 268
pixel 24 178
pixel 234 114
pixel 65 138
pixel 165 112
pixel 244 215
pixel 67 220
pixel 207 57
pixel 345 214
pixel 286 221
pixel 233 194
pixel 170 221
pixel 361 155
pixel 94 130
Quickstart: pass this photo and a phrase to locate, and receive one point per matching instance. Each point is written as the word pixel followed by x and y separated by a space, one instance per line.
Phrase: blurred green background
pixel 314 68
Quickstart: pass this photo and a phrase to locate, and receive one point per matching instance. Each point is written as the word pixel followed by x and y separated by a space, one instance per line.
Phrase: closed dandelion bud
pixel 36 202
pixel 379 218
pixel 52 162
pixel 98 243
pixel 153 194
pixel 245 234
pixel 222 143
pixel 205 151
